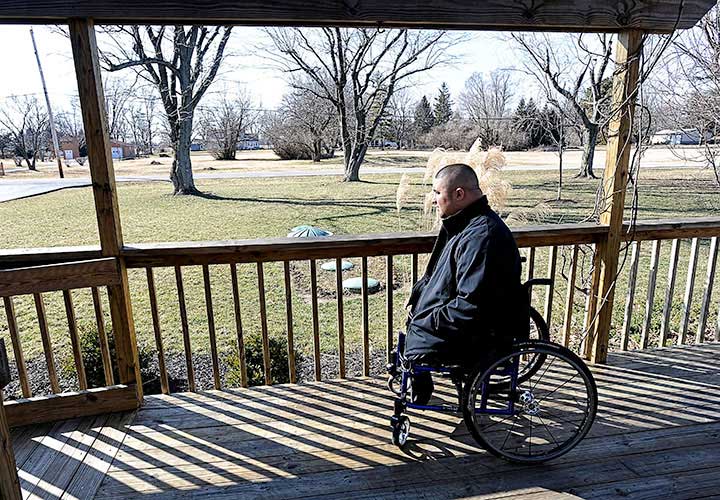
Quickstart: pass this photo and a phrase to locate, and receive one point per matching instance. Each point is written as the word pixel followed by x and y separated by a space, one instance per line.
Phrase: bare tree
pixel 118 95
pixel 687 90
pixel 141 119
pixel 569 65
pixel 69 122
pixel 357 70
pixel 401 111
pixel 182 62
pixel 486 102
pixel 224 122
pixel 304 127
pixel 27 123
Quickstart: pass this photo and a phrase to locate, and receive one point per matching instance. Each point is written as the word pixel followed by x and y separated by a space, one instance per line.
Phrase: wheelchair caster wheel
pixel 401 431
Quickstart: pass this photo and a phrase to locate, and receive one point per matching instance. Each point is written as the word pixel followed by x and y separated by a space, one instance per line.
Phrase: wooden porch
pixel 657 435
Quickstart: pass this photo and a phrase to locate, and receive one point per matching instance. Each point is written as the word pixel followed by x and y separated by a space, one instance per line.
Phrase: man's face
pixel 448 201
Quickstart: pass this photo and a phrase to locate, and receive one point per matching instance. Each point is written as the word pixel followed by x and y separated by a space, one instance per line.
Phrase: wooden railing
pixel 63 278
pixel 564 252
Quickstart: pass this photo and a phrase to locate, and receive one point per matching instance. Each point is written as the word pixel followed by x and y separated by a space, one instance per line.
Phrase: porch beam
pixel 659 16
pixel 92 104
pixel 615 179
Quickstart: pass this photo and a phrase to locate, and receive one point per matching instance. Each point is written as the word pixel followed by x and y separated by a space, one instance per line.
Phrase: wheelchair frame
pixel 508 371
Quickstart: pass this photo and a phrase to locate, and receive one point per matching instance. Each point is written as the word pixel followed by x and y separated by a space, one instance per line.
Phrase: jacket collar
pixel 459 221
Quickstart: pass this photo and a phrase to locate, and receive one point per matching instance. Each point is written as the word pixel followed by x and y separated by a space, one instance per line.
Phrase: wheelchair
pixel 529 403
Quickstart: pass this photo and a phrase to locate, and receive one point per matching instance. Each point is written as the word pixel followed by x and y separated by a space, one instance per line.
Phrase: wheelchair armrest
pixel 537 281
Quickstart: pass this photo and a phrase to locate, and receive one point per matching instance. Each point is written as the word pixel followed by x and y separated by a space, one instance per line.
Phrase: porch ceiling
pixel 660 16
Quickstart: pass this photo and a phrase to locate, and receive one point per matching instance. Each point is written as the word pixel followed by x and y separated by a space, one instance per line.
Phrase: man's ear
pixel 459 193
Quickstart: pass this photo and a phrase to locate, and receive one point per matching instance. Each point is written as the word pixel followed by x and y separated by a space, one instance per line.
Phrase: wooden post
pixel 92 104
pixel 615 179
pixel 9 483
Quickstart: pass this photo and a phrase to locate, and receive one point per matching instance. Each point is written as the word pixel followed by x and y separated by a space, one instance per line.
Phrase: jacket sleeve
pixel 473 288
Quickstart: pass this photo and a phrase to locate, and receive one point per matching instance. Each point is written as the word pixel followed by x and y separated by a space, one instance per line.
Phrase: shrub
pixel 254 362
pixel 92 358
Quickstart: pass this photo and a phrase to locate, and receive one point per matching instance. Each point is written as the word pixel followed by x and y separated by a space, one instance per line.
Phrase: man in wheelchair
pixel 469 304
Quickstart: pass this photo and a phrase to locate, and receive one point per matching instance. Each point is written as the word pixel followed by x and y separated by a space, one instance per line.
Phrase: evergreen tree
pixel 424 119
pixel 443 105
pixel 527 119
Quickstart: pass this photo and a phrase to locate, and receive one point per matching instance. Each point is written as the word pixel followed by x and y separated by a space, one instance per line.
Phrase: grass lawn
pixel 255 208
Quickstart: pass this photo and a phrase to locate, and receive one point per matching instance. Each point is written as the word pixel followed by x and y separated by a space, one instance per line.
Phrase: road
pixel 15 189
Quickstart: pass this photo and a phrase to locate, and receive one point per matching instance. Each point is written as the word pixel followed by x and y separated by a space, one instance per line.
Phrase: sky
pixel 482 52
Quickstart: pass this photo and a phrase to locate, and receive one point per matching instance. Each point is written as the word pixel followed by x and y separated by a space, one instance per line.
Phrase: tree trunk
pixel 181 174
pixel 30 164
pixel 590 136
pixel 561 147
pixel 353 159
pixel 316 150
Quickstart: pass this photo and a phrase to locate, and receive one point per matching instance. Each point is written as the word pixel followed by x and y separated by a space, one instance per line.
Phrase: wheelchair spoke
pixel 548 431
pixel 556 389
pixel 507 435
pixel 486 427
pixel 543 374
pixel 530 440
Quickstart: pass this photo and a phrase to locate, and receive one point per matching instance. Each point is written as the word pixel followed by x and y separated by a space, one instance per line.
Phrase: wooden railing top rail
pixel 25 257
pixel 275 249
pixel 37 279
pixel 278 249
pixel 696 227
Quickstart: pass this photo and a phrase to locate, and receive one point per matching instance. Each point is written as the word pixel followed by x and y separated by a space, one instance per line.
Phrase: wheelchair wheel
pixel 539 418
pixel 400 431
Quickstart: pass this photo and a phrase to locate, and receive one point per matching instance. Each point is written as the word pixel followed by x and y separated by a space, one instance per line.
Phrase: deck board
pixel 657 432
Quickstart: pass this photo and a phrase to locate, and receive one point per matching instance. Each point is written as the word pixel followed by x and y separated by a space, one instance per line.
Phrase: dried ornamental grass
pixel 437 160
pixel 487 165
pixel 403 190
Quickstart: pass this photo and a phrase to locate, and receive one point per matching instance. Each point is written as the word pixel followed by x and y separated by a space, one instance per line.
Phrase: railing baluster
pixel 185 329
pixel 47 344
pixel 634 260
pixel 211 327
pixel 414 268
pixel 365 319
pixel 654 261
pixel 340 315
pixel 591 304
pixel 17 347
pixel 689 286
pixel 164 385
pixel 74 339
pixel 315 318
pixel 238 325
pixel 570 297
pixel 672 271
pixel 552 266
pixel 389 305
pixel 289 323
pixel 707 295
pixel 102 337
pixel 263 323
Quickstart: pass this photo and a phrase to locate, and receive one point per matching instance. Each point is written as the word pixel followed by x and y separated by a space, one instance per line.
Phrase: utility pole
pixel 49 108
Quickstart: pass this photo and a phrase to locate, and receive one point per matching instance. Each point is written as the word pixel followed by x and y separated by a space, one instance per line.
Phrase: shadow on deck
pixel 657 435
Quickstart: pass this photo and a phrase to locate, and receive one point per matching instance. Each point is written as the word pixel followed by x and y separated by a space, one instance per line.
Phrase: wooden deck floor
pixel 657 436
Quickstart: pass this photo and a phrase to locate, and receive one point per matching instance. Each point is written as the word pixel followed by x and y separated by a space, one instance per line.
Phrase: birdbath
pixel 307 232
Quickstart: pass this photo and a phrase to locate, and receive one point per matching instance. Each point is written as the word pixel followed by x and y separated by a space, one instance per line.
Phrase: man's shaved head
pixel 458 175
pixel 455 187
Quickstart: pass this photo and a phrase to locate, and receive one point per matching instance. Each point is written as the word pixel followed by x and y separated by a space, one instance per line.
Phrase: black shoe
pixel 421 388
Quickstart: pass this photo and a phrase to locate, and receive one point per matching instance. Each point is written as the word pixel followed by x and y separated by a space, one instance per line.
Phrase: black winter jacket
pixel 470 298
